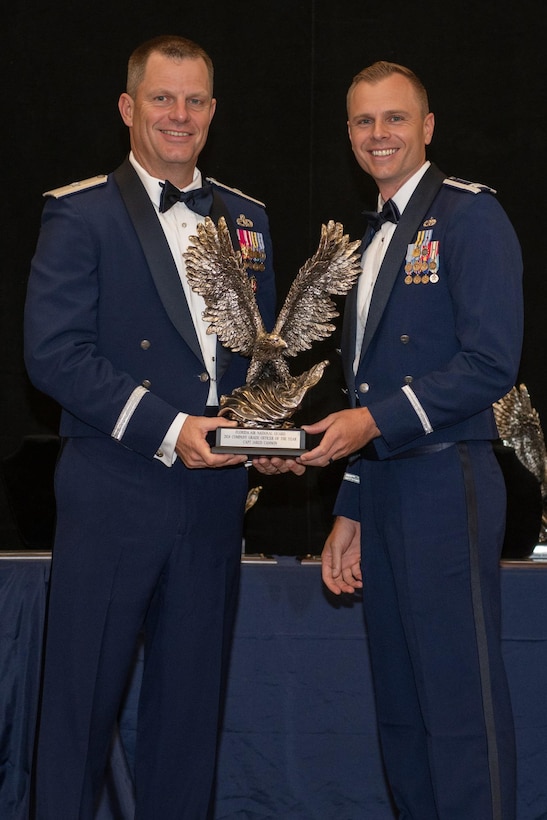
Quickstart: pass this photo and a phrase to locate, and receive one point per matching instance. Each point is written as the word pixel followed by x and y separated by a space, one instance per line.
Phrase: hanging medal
pixel 408 264
pixel 433 264
pixel 424 256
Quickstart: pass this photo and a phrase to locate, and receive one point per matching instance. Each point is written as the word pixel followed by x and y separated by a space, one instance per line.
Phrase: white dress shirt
pixel 178 224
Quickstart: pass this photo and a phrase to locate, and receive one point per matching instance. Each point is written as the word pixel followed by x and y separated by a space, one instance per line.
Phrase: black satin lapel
pixel 407 227
pixel 349 332
pixel 158 254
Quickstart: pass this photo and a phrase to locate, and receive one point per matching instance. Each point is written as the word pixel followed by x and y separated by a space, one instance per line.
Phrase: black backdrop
pixel 282 70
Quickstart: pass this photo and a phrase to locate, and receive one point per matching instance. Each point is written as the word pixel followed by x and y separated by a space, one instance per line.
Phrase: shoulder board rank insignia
pixel 244 221
pixel 235 191
pixel 465 185
pixel 73 187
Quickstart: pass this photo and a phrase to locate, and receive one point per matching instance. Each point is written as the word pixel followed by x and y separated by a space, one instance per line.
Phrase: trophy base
pixel 260 441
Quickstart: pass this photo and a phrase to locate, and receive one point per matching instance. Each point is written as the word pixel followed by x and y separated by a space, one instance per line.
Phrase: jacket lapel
pixel 349 333
pixel 158 254
pixel 407 227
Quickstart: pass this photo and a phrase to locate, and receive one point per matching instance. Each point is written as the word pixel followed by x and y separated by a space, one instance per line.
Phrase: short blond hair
pixel 171 46
pixel 382 69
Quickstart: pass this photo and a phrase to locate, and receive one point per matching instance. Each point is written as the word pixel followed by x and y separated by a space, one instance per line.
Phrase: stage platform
pixel 299 738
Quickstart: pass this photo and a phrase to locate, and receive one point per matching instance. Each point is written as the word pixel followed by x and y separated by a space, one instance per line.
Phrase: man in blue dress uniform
pixel 149 527
pixel 432 337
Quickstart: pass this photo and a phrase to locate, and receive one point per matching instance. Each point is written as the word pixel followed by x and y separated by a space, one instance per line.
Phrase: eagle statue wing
pixel 216 272
pixel 519 426
pixel 308 309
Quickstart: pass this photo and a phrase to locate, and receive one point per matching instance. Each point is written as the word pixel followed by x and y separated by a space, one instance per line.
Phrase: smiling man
pixel 388 130
pixel 432 337
pixel 149 521
pixel 168 119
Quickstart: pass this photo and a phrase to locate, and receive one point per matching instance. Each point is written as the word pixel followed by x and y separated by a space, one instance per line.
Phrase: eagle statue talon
pixel 269 403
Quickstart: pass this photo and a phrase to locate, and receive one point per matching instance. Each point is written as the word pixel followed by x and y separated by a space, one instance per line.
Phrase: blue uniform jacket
pixel 437 354
pixel 108 333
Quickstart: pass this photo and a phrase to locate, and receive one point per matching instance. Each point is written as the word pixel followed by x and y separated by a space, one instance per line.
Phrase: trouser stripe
pixel 480 631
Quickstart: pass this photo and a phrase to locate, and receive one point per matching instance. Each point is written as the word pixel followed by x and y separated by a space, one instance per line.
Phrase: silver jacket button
pixel 146 383
pixel 145 344
pixel 204 377
pixel 405 339
pixel 364 388
pixel 409 379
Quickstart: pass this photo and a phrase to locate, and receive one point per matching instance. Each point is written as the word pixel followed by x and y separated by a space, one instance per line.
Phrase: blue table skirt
pixel 299 738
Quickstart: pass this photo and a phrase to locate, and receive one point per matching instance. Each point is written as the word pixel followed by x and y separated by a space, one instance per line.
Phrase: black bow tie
pixel 389 213
pixel 198 200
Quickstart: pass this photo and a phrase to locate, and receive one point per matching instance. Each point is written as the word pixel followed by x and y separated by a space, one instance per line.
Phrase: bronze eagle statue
pixel 270 395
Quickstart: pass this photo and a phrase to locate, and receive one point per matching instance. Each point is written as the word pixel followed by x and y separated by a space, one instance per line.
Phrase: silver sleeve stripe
pixel 129 408
pixel 418 409
pixel 355 479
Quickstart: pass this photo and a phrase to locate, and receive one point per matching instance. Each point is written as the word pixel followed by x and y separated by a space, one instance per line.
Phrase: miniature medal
pixel 252 248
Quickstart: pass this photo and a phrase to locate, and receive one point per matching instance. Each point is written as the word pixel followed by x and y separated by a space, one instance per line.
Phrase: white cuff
pixel 354 479
pixel 166 451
